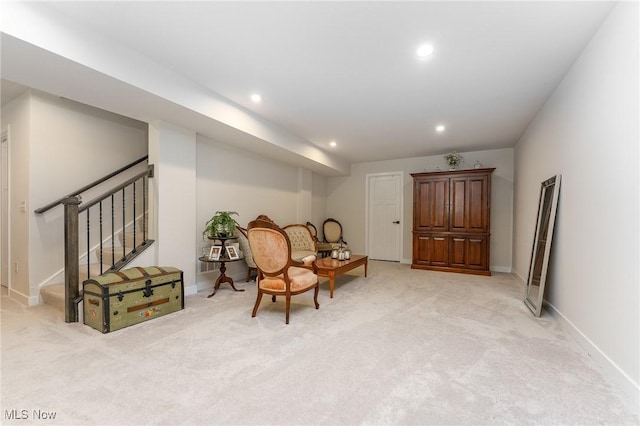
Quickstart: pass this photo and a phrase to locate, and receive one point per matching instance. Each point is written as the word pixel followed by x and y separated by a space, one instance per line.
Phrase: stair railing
pixel 91 185
pixel 124 206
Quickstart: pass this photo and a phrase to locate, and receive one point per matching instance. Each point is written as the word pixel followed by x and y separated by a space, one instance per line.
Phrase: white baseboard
pixel 190 290
pixel 24 299
pixel 613 374
pixel 519 279
pixel 616 377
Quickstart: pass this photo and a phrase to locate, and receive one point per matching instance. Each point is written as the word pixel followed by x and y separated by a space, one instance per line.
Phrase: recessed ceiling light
pixel 440 128
pixel 333 143
pixel 424 51
pixel 256 98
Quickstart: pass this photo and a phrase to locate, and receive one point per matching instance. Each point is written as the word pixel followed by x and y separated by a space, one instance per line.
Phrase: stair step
pixel 109 254
pixel 126 238
pixel 53 294
pixel 94 270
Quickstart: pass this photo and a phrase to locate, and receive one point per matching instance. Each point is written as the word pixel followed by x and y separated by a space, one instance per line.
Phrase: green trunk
pixel 131 296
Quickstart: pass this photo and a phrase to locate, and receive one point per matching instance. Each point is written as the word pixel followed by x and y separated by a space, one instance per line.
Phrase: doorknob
pixel 396 221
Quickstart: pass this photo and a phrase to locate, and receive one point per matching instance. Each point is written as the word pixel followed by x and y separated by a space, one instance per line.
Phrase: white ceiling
pixel 347 71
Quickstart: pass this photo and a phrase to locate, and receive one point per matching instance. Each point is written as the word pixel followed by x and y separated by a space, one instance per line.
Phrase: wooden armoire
pixel 451 221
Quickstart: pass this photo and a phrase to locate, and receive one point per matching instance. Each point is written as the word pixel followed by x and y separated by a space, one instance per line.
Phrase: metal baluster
pixel 88 242
pixel 135 244
pixel 100 244
pixel 124 225
pixel 113 236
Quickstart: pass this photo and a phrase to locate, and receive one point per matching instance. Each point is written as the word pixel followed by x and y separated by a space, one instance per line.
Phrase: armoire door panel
pixel 431 213
pixel 458 204
pixel 422 249
pixel 421 214
pixel 439 207
pixel 440 251
pixel 458 252
pixel 478 203
pixel 477 253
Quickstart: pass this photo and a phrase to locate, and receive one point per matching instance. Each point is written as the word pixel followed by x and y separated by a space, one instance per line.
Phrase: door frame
pixel 6 207
pixel 368 178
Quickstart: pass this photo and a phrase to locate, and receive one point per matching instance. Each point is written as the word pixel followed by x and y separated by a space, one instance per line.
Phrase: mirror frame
pixel 551 184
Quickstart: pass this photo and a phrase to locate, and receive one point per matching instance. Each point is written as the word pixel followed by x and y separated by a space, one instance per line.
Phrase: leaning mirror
pixel 547 206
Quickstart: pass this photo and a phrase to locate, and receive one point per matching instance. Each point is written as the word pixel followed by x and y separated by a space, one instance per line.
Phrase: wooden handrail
pixel 89 186
pixel 96 200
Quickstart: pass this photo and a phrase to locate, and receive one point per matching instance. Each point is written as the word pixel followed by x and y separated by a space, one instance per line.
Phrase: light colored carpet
pixel 399 347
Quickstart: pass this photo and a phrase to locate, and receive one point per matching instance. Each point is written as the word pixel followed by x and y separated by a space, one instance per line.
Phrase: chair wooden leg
pixel 258 300
pixel 287 307
pixel 315 295
pixel 273 298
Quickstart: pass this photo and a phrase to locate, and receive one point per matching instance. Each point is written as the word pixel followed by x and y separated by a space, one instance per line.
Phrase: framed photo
pixel 232 252
pixel 215 252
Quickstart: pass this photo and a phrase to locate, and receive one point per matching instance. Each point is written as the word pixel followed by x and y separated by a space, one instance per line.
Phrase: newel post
pixel 71 259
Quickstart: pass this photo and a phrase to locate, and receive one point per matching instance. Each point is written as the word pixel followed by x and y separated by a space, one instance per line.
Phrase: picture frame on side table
pixel 214 253
pixel 232 252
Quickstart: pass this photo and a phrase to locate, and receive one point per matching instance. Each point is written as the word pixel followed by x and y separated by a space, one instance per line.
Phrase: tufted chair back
pixel 278 273
pixel 303 245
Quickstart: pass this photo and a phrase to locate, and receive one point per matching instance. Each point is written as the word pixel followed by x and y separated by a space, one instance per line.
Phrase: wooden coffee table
pixel 328 267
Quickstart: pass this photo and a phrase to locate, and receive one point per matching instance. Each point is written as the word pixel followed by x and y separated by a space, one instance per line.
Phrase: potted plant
pixel 220 225
pixel 453 159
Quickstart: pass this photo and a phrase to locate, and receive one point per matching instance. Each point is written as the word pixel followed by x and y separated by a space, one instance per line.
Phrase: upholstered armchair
pixel 332 233
pixel 241 233
pixel 278 273
pixel 303 247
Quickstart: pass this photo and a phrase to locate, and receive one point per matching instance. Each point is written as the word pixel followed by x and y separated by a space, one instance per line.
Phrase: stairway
pixel 53 294
pixel 123 205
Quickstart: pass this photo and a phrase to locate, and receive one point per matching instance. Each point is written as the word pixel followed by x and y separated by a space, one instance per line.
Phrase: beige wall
pixel 172 151
pixel 57 146
pixel 228 178
pixel 71 145
pixel 588 132
pixel 346 199
pixel 318 202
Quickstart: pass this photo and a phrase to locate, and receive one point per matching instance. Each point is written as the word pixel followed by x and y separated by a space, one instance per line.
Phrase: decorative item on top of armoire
pixel 453 160
pixel 451 221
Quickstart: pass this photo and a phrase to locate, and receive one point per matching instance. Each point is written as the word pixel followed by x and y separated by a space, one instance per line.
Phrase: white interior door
pixel 384 211
pixel 4 211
